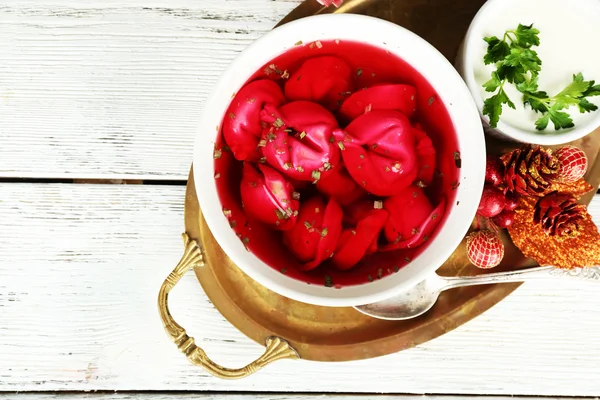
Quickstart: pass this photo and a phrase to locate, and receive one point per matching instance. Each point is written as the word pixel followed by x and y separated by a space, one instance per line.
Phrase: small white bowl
pixel 528 11
pixel 451 90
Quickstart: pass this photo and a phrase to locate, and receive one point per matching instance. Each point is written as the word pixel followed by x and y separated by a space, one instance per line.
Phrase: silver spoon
pixel 420 298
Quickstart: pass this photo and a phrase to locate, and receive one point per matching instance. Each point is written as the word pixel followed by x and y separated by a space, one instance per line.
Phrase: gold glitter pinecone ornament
pixel 560 215
pixel 530 171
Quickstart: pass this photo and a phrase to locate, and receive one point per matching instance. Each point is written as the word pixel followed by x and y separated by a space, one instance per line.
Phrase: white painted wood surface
pixel 228 396
pixel 80 267
pixel 90 88
pixel 112 89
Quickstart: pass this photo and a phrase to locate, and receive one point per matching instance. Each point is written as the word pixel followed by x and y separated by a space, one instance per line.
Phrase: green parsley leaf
pixel 492 107
pixel 496 51
pixel 542 122
pixel 585 106
pixel 510 74
pixel 570 95
pixel 560 119
pixel 526 60
pixel 493 84
pixel 593 90
pixel 527 36
pixel 534 99
pixel 518 64
pixel 530 85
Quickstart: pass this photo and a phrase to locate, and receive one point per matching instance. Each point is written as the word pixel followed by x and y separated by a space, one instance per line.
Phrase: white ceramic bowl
pixel 425 59
pixel 473 45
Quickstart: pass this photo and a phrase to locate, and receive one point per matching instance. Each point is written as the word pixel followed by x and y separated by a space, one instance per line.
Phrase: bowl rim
pixel 426 60
pixel 503 128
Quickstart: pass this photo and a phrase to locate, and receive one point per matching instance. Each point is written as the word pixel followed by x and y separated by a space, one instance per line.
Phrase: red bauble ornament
pixel 494 171
pixel 504 219
pixel 512 201
pixel 485 249
pixel 573 163
pixel 492 202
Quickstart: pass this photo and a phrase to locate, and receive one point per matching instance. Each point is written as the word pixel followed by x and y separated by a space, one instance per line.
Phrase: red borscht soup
pixel 336 162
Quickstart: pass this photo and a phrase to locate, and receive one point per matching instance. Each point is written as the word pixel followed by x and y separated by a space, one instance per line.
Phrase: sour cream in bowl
pixel 568 32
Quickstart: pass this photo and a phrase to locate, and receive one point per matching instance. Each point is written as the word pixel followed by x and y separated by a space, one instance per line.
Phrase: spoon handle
pixel 590 274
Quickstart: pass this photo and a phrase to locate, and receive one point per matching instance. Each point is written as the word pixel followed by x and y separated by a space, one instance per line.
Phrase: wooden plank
pixel 112 89
pixel 80 268
pixel 231 396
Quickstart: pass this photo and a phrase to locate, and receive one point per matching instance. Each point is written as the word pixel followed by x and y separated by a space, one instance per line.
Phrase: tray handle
pixel 276 348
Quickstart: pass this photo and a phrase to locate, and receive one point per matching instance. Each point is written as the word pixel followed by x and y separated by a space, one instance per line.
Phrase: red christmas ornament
pixel 494 171
pixel 492 202
pixel 573 163
pixel 560 215
pixel 504 219
pixel 485 249
pixel 530 171
pixel 328 3
pixel 512 201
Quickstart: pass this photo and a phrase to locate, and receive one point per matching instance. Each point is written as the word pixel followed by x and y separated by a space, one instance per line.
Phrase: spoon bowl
pixel 420 298
pixel 409 304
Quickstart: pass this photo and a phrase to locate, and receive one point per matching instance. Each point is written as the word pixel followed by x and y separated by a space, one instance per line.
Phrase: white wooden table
pixel 110 90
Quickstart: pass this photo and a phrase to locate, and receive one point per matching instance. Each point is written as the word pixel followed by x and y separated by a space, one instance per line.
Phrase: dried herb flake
pixel 278 123
pixel 316 175
pixel 457 159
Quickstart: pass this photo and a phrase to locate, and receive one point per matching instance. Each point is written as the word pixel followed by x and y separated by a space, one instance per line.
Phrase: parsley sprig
pixel 518 64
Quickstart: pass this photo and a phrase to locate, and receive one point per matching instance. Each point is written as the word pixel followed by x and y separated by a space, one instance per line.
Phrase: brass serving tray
pixel 292 329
